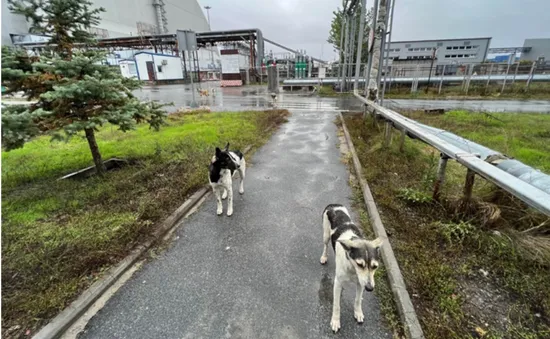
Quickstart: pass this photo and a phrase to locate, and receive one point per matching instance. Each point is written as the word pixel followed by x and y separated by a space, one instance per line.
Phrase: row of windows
pixel 417 57
pixel 453 56
pixel 462 47
pixel 395 49
pixel 422 49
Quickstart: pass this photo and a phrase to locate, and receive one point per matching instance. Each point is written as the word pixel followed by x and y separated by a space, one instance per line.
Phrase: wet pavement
pixel 257 98
pixel 255 274
pixel 243 98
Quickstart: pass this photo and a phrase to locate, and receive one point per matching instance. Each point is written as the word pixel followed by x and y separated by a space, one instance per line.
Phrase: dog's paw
pixel 229 213
pixel 335 325
pixel 359 316
pixel 219 212
pixel 241 191
pixel 324 260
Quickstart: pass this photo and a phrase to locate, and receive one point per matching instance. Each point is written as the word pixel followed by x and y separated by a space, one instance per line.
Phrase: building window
pixel 398 49
pixel 453 56
pixel 455 47
pixel 132 69
pixel 462 47
pixel 449 47
pixel 476 46
pixel 466 43
pixel 461 55
pixel 439 44
pixel 411 49
pixel 468 47
pixel 447 56
pixel 159 68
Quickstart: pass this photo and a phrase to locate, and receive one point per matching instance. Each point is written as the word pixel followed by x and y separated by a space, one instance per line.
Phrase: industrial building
pixel 122 18
pixel 536 50
pixel 446 51
pixel 128 18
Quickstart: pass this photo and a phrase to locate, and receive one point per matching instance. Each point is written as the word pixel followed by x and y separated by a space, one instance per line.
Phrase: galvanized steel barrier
pixel 531 195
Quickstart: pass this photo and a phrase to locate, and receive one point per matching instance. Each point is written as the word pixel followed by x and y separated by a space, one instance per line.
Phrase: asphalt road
pixel 255 274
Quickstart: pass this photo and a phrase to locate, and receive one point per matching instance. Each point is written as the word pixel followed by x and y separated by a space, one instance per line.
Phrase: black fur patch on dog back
pixel 336 217
pixel 239 154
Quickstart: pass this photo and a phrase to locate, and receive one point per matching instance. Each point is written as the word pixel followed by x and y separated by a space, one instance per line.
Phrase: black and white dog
pixel 221 170
pixel 356 258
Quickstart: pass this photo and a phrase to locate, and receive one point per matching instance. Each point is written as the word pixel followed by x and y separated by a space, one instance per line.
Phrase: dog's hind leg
pixel 335 320
pixel 358 310
pixel 326 238
pixel 242 173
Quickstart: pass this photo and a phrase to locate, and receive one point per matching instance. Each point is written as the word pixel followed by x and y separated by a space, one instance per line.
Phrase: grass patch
pixel 58 236
pixel 520 135
pixel 467 273
pixel 328 91
pixel 477 90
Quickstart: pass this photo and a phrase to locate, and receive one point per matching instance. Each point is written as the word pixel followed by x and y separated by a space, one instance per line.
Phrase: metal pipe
pixel 441 82
pixel 531 73
pixel 360 44
pixel 513 184
pixel 341 51
pixel 515 74
pixel 504 83
pixel 346 51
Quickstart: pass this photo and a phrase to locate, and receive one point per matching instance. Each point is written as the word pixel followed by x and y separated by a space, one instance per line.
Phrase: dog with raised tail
pixel 356 258
pixel 220 173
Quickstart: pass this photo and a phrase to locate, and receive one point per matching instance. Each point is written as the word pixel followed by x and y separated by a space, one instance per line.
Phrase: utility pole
pixel 380 30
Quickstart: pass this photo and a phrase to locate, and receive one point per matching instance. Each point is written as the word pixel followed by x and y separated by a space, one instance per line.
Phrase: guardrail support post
pixel 440 179
pixel 469 185
pixel 387 134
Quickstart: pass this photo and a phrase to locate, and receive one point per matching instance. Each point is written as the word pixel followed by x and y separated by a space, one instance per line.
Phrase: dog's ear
pixel 376 243
pixel 227 147
pixel 348 244
pixel 218 152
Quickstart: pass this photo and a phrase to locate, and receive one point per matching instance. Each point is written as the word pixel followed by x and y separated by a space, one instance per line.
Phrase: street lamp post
pixel 208 15
pixel 210 27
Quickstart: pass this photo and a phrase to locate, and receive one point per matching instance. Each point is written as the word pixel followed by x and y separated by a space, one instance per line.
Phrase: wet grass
pixel 59 236
pixel 518 91
pixel 523 136
pixel 328 91
pixel 470 273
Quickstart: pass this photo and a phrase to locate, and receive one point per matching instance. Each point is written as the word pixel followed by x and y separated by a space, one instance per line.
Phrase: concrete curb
pixel 59 324
pixel 412 327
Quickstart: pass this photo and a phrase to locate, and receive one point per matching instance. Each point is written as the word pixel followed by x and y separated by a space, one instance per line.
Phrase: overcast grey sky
pixel 305 23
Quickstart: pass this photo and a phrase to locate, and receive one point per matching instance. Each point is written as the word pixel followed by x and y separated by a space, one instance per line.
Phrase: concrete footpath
pixel 255 274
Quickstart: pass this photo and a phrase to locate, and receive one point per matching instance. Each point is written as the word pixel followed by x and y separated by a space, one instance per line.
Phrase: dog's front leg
pixel 358 310
pixel 218 195
pixel 229 200
pixel 335 321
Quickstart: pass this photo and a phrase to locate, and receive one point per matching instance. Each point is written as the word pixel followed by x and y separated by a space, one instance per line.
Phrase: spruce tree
pixel 74 91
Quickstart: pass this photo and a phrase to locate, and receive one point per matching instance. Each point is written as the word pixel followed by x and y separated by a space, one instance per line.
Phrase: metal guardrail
pixel 531 195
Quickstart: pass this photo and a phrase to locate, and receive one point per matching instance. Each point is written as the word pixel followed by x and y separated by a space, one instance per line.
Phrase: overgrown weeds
pixel 494 251
pixel 59 236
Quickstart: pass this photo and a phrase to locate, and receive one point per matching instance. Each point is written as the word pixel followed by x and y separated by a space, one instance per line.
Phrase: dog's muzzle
pixel 369 288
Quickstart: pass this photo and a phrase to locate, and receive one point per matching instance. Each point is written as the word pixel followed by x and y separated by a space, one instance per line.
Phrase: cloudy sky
pixel 305 24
